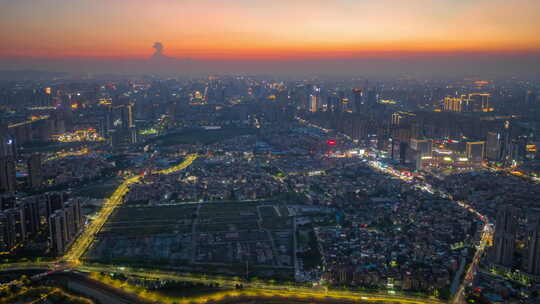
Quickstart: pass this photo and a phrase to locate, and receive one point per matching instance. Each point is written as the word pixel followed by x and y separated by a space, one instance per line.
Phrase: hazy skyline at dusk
pixel 269 31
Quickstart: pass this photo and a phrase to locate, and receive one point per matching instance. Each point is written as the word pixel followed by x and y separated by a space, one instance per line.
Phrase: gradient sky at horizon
pixel 282 29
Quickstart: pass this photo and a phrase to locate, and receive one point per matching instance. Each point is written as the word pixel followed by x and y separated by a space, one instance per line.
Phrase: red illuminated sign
pixel 331 142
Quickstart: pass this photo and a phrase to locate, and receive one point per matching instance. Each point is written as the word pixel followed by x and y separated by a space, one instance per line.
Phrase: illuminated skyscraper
pixel 476 102
pixel 127 116
pixel 314 103
pixel 475 152
pixel 453 104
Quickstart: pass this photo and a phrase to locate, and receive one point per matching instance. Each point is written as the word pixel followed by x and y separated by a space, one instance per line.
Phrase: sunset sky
pixel 277 29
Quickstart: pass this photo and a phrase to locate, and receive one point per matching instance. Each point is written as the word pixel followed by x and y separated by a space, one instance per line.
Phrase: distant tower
pixel 127 115
pixel 505 236
pixel 313 103
pixel 358 100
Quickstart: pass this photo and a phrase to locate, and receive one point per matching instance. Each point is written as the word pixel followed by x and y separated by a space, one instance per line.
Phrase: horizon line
pixel 290 56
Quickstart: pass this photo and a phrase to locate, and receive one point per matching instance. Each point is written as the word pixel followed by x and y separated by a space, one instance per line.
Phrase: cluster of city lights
pixel 84 135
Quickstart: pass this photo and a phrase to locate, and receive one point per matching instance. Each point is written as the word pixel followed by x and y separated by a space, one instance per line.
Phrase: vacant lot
pixel 202 136
pixel 219 236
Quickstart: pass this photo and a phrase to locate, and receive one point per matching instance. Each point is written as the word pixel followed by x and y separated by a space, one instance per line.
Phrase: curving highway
pixel 86 238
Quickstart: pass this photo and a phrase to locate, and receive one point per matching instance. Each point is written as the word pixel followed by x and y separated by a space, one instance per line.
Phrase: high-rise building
pixel 475 152
pixel 35 174
pixel 358 100
pixel 403 146
pixel 313 103
pixel 7 144
pixel 18 220
pixel 533 238
pixel 7 233
pixel 11 229
pixel 453 104
pixel 73 217
pixel 58 234
pixel 517 149
pixel 122 131
pixel 422 146
pixel 54 201
pixel 7 174
pixel 30 210
pixel 123 137
pixel 7 162
pixel 64 225
pixel 127 115
pixel 505 236
pixel 400 118
pixel 476 102
pixel 494 146
pixel 422 150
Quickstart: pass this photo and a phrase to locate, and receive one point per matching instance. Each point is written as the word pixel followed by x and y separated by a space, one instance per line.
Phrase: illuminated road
pixel 487 234
pixel 59 155
pixel 28 122
pixel 86 238
pixel 262 288
pixel 186 163
pixel 511 171
pixel 26 266
pixel 258 288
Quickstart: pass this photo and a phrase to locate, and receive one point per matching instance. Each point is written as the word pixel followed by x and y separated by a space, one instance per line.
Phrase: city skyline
pixel 213 151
